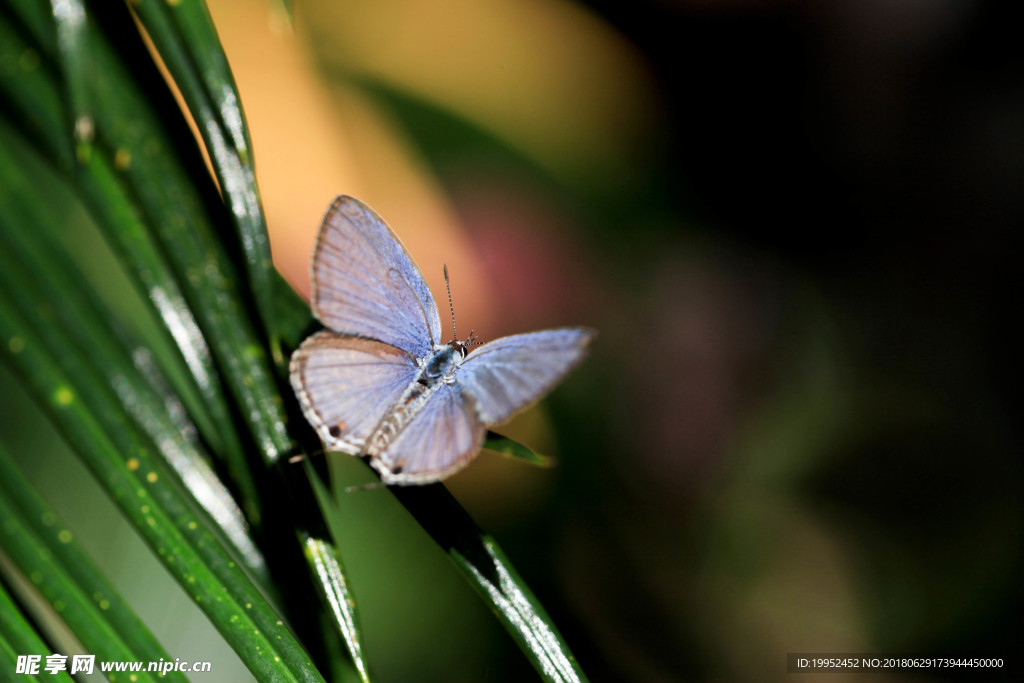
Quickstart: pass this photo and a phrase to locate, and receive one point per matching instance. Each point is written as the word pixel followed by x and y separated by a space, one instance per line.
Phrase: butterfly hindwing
pixel 508 374
pixel 441 438
pixel 347 384
pixel 365 283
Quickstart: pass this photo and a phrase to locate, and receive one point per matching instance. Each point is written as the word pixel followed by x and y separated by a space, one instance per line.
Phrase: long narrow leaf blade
pixel 106 194
pixel 26 252
pixel 18 638
pixel 31 90
pixel 73 49
pixel 166 193
pixel 36 99
pixel 325 563
pixel 44 551
pixel 187 42
pixel 95 425
pixel 494 578
pixel 326 566
pixel 513 449
pixel 187 236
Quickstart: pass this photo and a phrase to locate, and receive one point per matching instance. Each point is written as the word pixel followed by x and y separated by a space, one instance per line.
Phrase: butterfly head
pixel 463 346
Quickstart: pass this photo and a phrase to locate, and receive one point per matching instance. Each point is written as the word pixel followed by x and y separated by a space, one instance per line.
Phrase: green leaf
pixel 495 579
pixel 160 185
pixel 105 179
pixel 105 191
pixel 177 215
pixel 29 88
pixel 76 61
pixel 514 449
pixel 19 637
pixel 325 563
pixel 187 41
pixel 294 319
pixel 45 551
pixel 125 462
pixel 137 481
pixel 121 361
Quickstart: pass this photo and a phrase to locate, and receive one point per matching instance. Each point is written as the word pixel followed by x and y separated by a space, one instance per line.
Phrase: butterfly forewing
pixel 442 437
pixel 365 283
pixel 508 374
pixel 347 384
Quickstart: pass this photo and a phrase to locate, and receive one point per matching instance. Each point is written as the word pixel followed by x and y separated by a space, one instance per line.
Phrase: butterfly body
pixel 378 382
pixel 442 363
pixel 437 369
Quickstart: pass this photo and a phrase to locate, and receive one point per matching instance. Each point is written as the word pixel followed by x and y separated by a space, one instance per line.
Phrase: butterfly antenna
pixel 450 306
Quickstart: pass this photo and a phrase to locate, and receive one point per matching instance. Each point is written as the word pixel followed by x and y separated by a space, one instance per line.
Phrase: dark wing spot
pixel 336 430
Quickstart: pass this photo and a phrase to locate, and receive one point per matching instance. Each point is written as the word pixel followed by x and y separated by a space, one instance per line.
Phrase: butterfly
pixel 379 383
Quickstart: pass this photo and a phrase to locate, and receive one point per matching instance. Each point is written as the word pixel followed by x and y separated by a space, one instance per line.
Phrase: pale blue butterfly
pixel 379 383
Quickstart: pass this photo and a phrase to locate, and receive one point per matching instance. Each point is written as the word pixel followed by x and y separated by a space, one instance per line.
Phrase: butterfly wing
pixel 346 385
pixel 508 374
pixel 365 283
pixel 441 438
